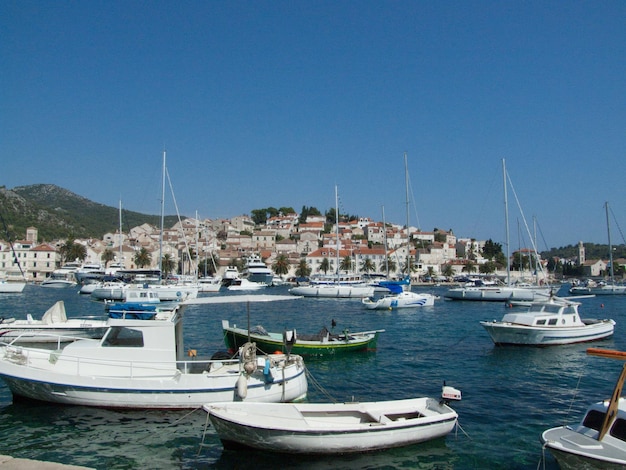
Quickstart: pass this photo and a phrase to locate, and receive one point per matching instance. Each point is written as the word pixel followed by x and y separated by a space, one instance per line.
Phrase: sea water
pixel 510 394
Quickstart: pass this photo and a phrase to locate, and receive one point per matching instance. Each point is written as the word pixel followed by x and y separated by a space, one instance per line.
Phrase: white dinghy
pixel 599 441
pixel 333 428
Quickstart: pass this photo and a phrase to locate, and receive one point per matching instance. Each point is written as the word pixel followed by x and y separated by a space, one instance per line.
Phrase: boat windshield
pixel 119 336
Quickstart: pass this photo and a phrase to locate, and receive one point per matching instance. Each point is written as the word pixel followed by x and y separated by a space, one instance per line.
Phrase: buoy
pixel 242 387
pixel 278 352
pixel 601 305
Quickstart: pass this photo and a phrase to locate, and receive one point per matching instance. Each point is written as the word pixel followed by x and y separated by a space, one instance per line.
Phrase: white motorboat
pixel 11 287
pixel 551 322
pixel 599 440
pixel 53 324
pixel 117 291
pixel 144 364
pixel 400 297
pixel 332 428
pixel 245 284
pixel 256 270
pixel 209 284
pixel 338 290
pixel 481 291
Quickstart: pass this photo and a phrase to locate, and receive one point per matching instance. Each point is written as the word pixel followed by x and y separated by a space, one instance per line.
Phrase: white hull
pixel 57 283
pixel 142 385
pixel 575 451
pixel 497 294
pixel 401 300
pixel 11 287
pixel 333 291
pixel 331 428
pixel 601 290
pixel 165 293
pixel 527 335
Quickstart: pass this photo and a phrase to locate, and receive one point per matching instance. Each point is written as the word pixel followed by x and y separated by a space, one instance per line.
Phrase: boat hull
pixel 12 287
pixel 511 334
pixel 331 428
pixel 574 451
pixel 236 338
pixel 333 291
pixel 496 294
pixel 402 300
pixel 158 388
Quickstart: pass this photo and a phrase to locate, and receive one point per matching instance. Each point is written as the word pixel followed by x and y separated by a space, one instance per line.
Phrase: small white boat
pixel 404 299
pixel 256 270
pixel 209 284
pixel 143 363
pixel 332 428
pixel 11 287
pixel 599 440
pixel 53 323
pixel 244 284
pixel 551 322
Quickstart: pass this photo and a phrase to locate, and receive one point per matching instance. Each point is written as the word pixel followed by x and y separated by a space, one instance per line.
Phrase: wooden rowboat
pixel 332 428
pixel 321 344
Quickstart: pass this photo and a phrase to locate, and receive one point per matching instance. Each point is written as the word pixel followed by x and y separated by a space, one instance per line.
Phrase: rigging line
pixel 524 219
pixel 417 219
pixel 167 173
pixel 317 385
pixel 6 230
pixel 618 227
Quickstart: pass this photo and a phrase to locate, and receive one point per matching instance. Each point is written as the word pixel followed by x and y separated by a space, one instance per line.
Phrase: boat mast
pixel 385 243
pixel 408 238
pixel 337 232
pixel 506 223
pixel 613 405
pixel 608 230
pixel 121 263
pixel 162 217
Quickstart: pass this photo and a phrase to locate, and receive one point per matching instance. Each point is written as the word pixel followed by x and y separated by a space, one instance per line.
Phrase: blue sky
pixel 263 104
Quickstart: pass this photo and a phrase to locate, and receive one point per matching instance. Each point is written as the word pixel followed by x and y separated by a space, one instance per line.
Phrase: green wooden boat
pixel 323 343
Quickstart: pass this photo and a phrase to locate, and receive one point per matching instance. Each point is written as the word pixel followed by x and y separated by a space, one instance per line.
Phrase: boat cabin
pixel 546 314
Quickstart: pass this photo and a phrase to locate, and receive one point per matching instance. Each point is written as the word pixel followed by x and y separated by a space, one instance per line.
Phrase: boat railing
pixel 50 339
pixel 38 358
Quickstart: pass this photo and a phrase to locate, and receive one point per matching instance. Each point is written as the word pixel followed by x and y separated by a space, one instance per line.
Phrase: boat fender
pixel 242 387
pixel 267 373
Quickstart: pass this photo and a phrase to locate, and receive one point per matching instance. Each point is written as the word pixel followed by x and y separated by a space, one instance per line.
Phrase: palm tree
pixel 367 265
pixel 167 265
pixel 325 265
pixel 72 251
pixel 447 270
pixel 143 258
pixel 303 269
pixel 107 256
pixel 281 265
pixel 346 264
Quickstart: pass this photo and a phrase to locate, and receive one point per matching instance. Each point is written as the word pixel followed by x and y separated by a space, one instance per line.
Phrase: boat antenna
pixel 6 230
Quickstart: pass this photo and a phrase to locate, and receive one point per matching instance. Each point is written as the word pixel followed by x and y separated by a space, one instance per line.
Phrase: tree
pixel 388 266
pixel 303 269
pixel 71 251
pixel 469 267
pixel 143 258
pixel 367 266
pixel 346 264
pixel 167 265
pixel 107 256
pixel 281 265
pixel 325 265
pixel 487 268
pixel 447 270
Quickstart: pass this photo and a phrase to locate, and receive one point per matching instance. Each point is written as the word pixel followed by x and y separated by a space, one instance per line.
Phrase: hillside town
pixel 214 245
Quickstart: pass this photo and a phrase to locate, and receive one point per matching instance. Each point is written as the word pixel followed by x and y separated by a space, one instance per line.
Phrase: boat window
pixel 594 419
pixel 541 322
pixel 123 337
pixel 619 429
pixel 552 321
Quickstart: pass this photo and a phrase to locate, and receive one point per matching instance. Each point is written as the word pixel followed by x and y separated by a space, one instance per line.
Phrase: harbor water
pixel 510 394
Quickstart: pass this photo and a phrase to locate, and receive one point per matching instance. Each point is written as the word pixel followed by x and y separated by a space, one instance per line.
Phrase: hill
pixel 58 213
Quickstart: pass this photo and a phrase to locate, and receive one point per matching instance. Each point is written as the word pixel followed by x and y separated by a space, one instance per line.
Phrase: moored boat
pixel 11 287
pixel 551 322
pixel 53 326
pixel 323 343
pixel 332 428
pixel 599 440
pixel 144 364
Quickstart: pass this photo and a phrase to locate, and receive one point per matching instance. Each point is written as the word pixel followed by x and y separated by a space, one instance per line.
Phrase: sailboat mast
pixel 608 230
pixel 162 217
pixel 385 243
pixel 408 238
pixel 121 239
pixel 337 231
pixel 506 224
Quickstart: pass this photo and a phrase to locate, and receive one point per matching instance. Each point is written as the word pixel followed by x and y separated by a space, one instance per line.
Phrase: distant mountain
pixel 58 213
